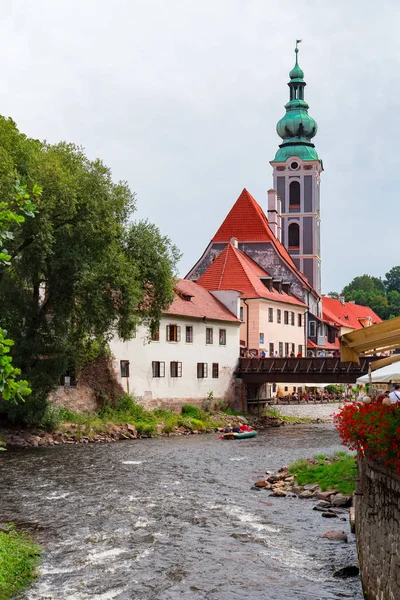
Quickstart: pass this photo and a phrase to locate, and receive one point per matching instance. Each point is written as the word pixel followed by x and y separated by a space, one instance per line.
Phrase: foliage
pixel 329 472
pixel 373 430
pixel 192 411
pixel 12 211
pixel 335 389
pixel 81 269
pixel 383 296
pixel 208 402
pixel 19 557
pixel 275 414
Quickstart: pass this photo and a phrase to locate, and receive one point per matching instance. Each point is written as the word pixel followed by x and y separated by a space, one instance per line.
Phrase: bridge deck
pixel 301 370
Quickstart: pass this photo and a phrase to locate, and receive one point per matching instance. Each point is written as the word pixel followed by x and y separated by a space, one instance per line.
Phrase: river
pixel 169 518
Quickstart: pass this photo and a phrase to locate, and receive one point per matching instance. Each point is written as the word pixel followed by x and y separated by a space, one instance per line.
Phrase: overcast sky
pixel 181 99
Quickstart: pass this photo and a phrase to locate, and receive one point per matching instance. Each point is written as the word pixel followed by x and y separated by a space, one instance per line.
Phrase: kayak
pixel 239 436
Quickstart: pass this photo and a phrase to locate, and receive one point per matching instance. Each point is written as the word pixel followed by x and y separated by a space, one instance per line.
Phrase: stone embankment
pixel 377 513
pixel 322 412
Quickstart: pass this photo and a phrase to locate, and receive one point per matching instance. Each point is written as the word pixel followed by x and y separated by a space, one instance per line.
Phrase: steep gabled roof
pixel 234 270
pixel 247 222
pixel 193 300
pixel 347 314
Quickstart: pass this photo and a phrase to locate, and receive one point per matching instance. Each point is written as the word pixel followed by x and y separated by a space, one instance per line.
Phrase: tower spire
pixel 296 128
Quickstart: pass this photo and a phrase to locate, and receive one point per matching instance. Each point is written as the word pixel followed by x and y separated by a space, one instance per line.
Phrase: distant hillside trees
pixel 382 295
pixel 81 267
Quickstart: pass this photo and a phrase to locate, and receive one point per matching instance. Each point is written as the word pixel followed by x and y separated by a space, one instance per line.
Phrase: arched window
pixel 294 235
pixel 294 194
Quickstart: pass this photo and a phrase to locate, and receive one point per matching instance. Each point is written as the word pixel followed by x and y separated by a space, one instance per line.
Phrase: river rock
pixel 262 484
pixel 306 494
pixel 339 536
pixel 297 489
pixel 131 429
pixel 341 500
pixel 329 514
pixel 322 504
pixel 279 493
pixel 311 487
pixel 325 495
pixel 348 571
pixel 243 420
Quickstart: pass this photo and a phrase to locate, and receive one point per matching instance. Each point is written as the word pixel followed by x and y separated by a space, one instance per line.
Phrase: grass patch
pixel 146 421
pixel 272 412
pixel 329 472
pixel 19 558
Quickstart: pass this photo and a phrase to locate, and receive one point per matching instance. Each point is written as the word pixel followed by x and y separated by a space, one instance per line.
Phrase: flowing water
pixel 176 518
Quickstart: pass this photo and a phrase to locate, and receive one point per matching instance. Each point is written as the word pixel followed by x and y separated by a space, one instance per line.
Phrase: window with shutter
pixel 158 368
pixel 176 369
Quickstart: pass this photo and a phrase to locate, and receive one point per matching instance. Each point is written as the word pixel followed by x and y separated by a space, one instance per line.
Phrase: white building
pixel 194 352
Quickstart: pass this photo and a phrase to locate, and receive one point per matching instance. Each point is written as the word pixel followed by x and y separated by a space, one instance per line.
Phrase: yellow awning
pixel 381 337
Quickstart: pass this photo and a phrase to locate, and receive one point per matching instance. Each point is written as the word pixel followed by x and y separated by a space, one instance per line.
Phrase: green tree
pixel 392 280
pixel 334 295
pixel 76 272
pixel 364 283
pixel 12 211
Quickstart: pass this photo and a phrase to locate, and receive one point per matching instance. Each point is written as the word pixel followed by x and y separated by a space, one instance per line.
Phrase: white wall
pixel 152 390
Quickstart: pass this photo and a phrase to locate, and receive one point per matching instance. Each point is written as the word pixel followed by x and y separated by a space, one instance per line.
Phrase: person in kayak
pixel 228 428
pixel 236 429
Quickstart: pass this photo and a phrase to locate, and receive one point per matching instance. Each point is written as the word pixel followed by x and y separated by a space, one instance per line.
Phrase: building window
pixel 155 336
pixel 280 349
pixel 158 368
pixel 271 349
pixel 270 315
pixel 189 334
pixel 286 349
pixel 293 348
pixel 300 350
pixel 294 194
pixel 124 366
pixel 273 388
pixel 312 329
pixel 222 337
pixel 261 338
pixel 209 335
pixel 294 235
pixel 241 312
pixel 279 316
pixel 176 369
pixel 292 318
pixel 215 370
pixel 286 317
pixel 173 333
pixel 300 320
pixel 286 388
pixel 202 370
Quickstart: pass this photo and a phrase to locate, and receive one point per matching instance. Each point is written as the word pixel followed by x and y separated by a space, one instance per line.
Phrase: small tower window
pixel 294 235
pixel 294 194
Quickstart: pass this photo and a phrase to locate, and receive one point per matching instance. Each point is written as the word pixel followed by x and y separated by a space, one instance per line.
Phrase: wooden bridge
pixel 257 371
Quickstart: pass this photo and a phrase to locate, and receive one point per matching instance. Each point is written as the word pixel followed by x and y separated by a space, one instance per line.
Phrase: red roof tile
pixel 328 345
pixel 247 222
pixel 347 314
pixel 234 270
pixel 201 304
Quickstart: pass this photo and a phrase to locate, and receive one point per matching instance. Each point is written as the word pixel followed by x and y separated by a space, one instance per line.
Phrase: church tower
pixel 297 171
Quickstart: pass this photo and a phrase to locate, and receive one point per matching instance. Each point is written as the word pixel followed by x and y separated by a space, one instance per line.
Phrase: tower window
pixel 294 166
pixel 294 235
pixel 294 194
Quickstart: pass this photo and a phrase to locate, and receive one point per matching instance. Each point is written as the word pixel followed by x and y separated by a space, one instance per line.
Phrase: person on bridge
pixel 395 395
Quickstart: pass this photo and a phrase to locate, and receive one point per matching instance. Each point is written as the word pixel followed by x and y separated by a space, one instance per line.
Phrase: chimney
pixel 274 213
pixel 234 242
pixel 341 300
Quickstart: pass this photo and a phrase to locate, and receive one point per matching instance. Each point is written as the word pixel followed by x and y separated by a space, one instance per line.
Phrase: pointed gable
pixel 245 221
pixel 347 314
pixel 234 270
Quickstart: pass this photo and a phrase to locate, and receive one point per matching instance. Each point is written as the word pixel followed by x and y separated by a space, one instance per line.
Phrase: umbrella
pixel 388 374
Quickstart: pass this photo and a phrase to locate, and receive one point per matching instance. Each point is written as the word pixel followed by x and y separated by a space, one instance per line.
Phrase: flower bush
pixel 373 430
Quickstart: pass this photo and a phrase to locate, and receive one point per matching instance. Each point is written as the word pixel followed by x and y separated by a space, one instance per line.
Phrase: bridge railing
pixel 303 366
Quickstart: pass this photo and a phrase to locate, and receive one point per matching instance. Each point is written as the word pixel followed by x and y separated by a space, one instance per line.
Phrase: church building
pixel 285 245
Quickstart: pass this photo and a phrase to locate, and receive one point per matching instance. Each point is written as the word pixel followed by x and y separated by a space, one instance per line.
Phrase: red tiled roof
pixel 234 270
pixel 247 222
pixel 347 314
pixel 328 345
pixel 201 304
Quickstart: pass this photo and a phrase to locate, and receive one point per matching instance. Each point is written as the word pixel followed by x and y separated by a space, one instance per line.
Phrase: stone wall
pixel 314 411
pixel 80 398
pixel 377 512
